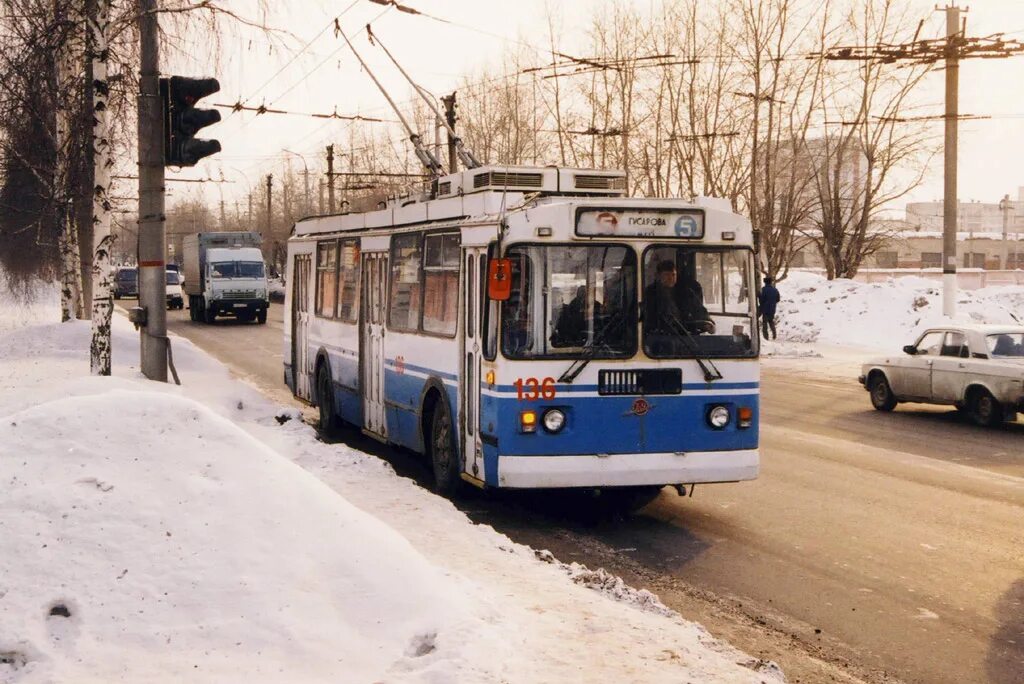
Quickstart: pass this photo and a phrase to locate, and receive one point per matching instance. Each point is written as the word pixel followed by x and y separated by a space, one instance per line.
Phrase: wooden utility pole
pixel 449 114
pixel 330 178
pixel 270 206
pixel 949 198
pixel 152 238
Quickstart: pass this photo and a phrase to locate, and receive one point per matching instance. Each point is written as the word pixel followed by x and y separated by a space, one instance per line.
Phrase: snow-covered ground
pixel 832 327
pixel 202 533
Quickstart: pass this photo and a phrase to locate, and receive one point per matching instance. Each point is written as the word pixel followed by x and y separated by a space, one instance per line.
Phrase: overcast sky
pixel 326 77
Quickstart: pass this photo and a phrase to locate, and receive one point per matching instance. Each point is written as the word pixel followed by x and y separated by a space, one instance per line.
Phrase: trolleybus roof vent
pixel 499 179
pixel 588 181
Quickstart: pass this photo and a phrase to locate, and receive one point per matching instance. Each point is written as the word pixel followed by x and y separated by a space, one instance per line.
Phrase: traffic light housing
pixel 182 120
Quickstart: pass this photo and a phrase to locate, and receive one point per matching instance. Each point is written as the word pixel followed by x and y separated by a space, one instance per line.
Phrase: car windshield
pixel 570 300
pixel 173 278
pixel 127 274
pixel 237 269
pixel 697 302
pixel 1006 345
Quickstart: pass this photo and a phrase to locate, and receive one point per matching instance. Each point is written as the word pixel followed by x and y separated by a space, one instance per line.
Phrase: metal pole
pixel 1004 206
pixel 152 238
pixel 950 202
pixel 330 178
pixel 270 197
pixel 449 114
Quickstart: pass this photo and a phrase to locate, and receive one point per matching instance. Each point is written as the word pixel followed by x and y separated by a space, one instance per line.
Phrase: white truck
pixel 225 276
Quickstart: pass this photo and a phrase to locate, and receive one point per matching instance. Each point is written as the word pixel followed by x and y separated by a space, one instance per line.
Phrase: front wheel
pixel 261 316
pixel 882 397
pixel 984 410
pixel 447 479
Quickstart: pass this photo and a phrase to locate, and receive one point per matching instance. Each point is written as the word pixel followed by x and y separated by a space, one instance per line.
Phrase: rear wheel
pixel 983 409
pixel 443 455
pixel 325 397
pixel 882 397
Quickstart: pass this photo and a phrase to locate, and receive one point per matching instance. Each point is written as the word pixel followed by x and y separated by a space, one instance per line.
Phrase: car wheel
pixel 882 397
pixel 984 410
pixel 443 456
pixel 325 399
pixel 261 316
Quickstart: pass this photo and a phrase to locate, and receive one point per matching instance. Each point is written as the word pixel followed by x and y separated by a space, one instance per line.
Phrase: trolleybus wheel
pixel 631 499
pixel 325 399
pixel 443 456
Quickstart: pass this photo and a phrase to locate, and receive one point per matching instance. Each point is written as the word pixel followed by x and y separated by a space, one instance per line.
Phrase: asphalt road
pixel 874 547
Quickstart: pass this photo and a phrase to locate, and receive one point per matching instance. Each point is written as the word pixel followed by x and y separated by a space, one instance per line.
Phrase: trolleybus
pixel 533 327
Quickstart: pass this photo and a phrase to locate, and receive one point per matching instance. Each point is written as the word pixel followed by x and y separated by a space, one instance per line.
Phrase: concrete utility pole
pixel 321 205
pixel 270 206
pixel 248 222
pixel 949 199
pixel 330 178
pixel 1004 207
pixel 152 238
pixel 449 114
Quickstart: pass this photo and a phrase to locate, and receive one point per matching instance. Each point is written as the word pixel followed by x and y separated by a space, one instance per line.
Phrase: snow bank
pixel 202 533
pixel 879 316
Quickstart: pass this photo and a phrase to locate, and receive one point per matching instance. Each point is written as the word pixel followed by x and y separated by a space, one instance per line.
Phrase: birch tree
pixel 70 264
pixel 102 303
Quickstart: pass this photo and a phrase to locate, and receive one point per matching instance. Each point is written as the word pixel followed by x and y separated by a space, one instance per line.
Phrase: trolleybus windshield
pixel 570 299
pixel 697 302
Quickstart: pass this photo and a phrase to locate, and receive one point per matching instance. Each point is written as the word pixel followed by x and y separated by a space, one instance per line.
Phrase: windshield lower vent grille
pixel 646 381
pixel 591 182
pixel 502 179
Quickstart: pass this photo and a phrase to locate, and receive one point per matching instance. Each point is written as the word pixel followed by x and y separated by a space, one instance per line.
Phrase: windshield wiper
pixel 711 371
pixel 589 350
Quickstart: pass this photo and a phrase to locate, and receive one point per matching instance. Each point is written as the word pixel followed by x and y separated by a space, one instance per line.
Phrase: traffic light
pixel 182 120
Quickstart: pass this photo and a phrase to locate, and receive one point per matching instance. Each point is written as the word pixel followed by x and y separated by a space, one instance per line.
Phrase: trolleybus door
pixel 475 270
pixel 301 271
pixel 371 356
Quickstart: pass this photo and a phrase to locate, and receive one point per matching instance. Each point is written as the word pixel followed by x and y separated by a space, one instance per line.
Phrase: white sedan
pixel 977 368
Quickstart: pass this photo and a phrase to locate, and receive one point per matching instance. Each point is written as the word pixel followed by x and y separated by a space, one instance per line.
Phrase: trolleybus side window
pixel 326 278
pixel 404 302
pixel 348 282
pixel 571 299
pixel 441 283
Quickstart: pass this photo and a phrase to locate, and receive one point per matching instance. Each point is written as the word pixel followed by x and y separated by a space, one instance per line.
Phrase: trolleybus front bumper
pixel 624 470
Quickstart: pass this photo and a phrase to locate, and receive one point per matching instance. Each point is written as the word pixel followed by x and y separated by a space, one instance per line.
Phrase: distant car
pixel 126 282
pixel 175 300
pixel 978 369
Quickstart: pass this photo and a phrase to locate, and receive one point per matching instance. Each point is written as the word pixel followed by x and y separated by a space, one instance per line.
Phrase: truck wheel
pixel 210 313
pixel 261 316
pixel 882 397
pixel 983 409
pixel 443 456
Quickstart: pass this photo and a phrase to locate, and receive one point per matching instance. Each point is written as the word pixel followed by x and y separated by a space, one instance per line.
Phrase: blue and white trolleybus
pixel 534 328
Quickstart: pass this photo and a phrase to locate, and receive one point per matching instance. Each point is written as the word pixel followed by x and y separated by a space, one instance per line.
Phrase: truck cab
pixel 225 276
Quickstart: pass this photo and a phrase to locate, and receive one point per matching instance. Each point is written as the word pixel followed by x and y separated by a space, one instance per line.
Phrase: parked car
pixel 175 300
pixel 978 369
pixel 126 282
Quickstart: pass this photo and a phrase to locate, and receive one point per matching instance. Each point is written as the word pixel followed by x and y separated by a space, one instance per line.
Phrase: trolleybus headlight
pixel 554 420
pixel 718 417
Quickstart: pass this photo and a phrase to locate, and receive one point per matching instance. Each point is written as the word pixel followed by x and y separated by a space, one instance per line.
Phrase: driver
pixel 671 303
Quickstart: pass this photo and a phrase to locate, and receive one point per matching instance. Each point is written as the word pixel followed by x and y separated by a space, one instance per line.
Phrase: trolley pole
pixel 330 178
pixel 152 238
pixel 950 202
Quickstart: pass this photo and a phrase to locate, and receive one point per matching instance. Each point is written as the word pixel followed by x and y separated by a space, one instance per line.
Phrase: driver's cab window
pixel 956 345
pixel 930 344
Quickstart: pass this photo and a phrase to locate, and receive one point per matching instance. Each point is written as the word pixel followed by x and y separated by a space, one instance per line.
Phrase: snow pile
pixel 201 533
pixel 882 316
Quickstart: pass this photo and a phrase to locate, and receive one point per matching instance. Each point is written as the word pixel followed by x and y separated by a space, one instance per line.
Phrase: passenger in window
pixel 1004 346
pixel 673 305
pixel 570 329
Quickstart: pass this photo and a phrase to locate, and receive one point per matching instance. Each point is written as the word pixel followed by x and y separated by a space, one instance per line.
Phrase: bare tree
pixel 102 303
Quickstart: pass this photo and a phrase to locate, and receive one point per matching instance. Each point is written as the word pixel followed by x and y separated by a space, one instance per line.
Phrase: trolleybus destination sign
pixel 649 222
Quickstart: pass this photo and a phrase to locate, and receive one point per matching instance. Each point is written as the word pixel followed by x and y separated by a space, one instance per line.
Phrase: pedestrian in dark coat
pixel 768 299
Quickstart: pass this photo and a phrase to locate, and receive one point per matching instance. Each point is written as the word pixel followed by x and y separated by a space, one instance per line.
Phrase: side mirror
pixel 910 349
pixel 499 280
